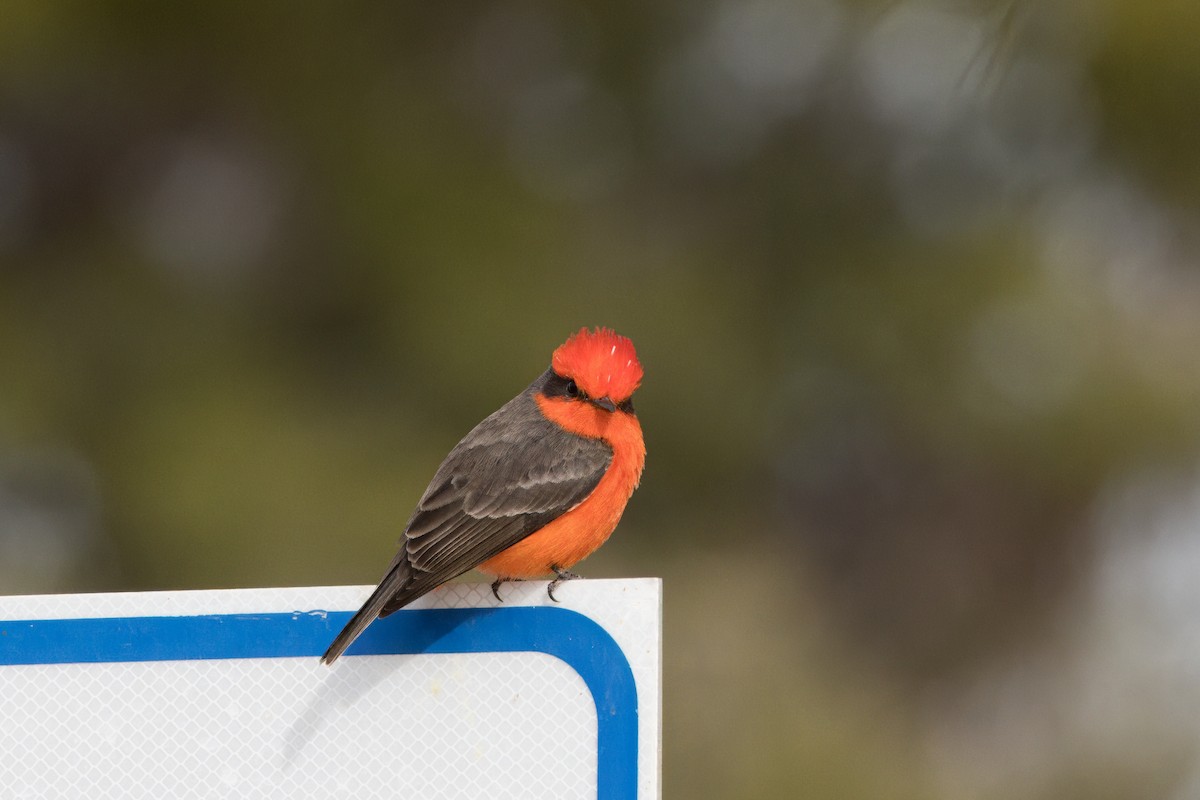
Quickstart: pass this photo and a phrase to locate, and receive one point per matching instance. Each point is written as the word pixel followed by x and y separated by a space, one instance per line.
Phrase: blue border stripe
pixel 567 635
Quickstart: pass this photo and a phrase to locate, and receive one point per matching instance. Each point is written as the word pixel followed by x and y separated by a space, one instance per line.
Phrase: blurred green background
pixel 915 285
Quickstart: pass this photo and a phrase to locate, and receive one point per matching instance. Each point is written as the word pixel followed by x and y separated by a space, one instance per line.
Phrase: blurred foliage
pixel 914 283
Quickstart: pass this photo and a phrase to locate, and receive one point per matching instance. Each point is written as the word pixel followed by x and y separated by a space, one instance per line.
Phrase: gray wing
pixel 511 475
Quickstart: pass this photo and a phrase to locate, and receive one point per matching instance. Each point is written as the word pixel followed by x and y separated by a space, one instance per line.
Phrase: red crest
pixel 602 362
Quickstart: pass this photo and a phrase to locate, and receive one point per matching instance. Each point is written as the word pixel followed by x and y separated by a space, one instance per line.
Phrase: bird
pixel 532 490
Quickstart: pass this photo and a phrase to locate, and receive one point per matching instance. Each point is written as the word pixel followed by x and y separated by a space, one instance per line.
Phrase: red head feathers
pixel 602 362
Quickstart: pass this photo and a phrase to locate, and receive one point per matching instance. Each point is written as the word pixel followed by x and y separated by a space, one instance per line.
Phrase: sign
pixel 221 694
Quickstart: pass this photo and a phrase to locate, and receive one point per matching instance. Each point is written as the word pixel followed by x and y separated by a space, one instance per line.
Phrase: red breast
pixel 573 536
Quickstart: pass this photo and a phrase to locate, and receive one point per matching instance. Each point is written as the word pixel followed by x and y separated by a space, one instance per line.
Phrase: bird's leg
pixel 496 585
pixel 561 575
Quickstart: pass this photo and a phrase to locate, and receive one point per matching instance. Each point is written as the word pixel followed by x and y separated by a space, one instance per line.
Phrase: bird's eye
pixel 572 389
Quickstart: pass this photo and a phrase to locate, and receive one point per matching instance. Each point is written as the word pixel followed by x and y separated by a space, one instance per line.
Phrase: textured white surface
pixel 480 725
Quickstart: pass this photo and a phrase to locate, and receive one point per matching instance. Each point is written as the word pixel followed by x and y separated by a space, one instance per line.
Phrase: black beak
pixel 605 403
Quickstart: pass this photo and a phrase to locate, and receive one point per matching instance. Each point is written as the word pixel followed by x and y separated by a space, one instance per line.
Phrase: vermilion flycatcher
pixel 530 491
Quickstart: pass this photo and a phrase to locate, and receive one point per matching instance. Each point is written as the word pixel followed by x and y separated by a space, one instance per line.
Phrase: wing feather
pixel 511 475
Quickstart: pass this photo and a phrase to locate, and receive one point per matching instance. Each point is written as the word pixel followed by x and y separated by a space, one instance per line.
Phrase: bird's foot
pixel 496 586
pixel 560 576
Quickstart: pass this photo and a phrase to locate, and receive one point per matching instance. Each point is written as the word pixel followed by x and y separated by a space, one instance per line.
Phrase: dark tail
pixel 392 584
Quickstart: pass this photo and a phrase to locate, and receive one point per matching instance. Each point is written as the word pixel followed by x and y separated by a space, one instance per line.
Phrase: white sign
pixel 221 694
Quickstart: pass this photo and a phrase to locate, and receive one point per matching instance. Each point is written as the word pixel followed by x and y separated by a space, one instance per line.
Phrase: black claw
pixel 560 576
pixel 496 586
